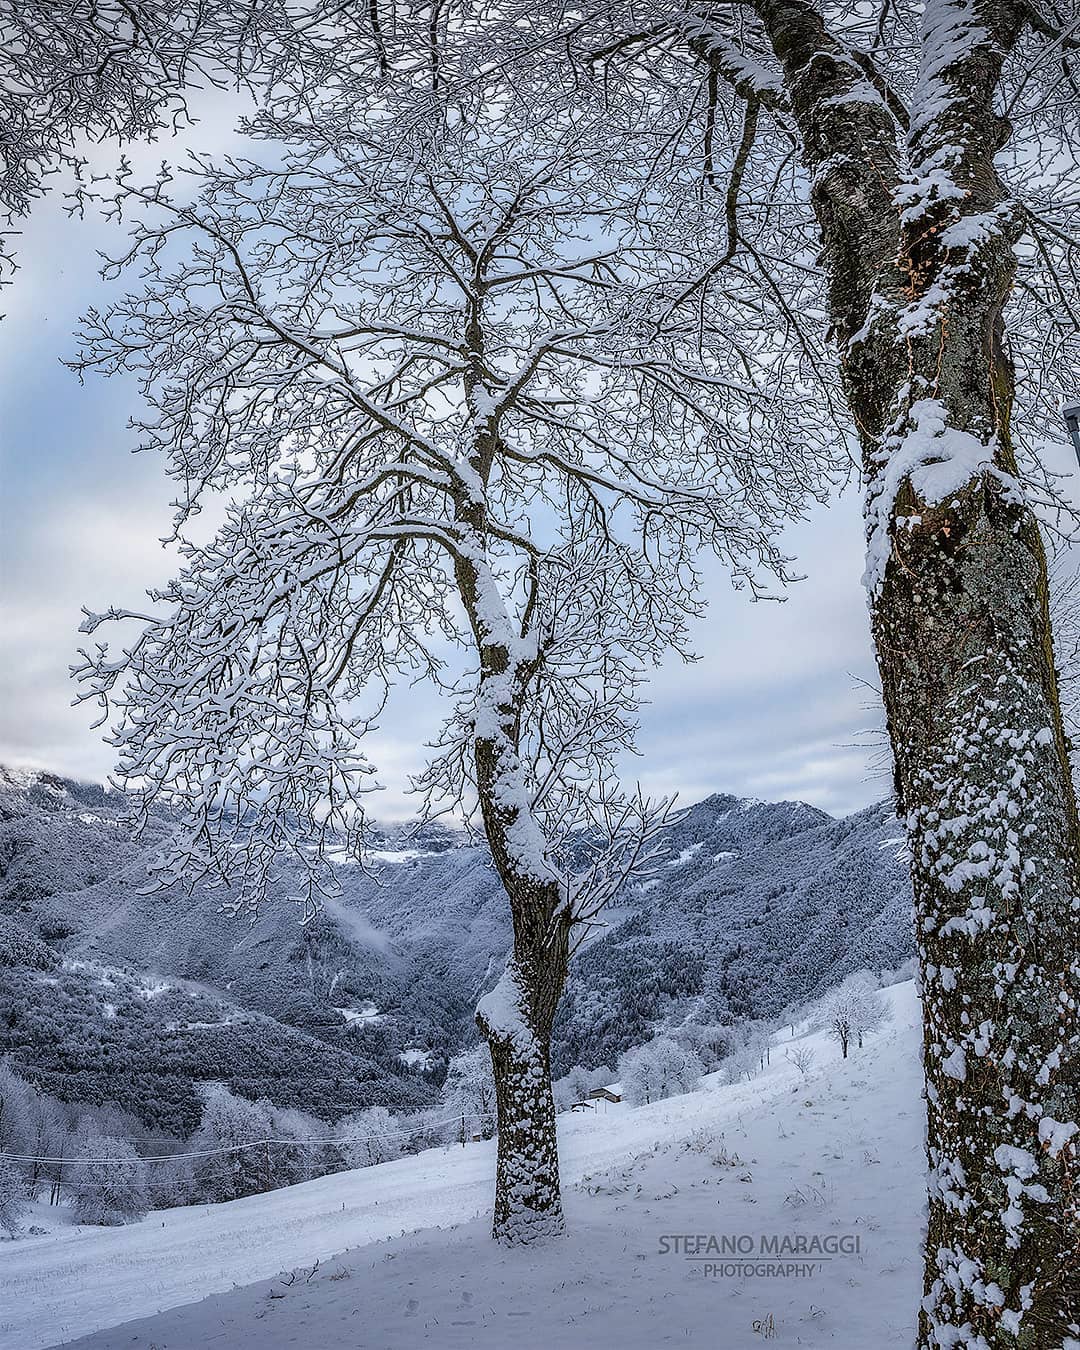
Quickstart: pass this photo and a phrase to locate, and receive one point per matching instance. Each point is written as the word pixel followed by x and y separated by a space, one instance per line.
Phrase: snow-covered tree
pixel 370 1137
pixel 711 1042
pixel 49 1125
pixel 901 175
pixel 469 1091
pixel 852 1011
pixel 13 1196
pixel 108 1180
pixel 802 1057
pixel 660 1068
pixel 750 1048
pixel 233 1134
pixel 118 70
pixel 16 1111
pixel 461 390
pixel 576 1085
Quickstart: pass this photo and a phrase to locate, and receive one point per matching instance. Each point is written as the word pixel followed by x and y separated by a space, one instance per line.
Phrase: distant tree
pixel 234 1132
pixel 171 1183
pixel 750 1051
pixel 661 1068
pixel 305 1148
pixel 16 1110
pixel 853 1011
pixel 576 1085
pixel 426 1129
pixel 710 1041
pixel 469 1091
pixel 50 1123
pixel 108 1180
pixel 369 1137
pixel 13 1196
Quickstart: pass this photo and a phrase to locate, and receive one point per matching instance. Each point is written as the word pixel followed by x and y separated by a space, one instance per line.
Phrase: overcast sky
pixel 771 710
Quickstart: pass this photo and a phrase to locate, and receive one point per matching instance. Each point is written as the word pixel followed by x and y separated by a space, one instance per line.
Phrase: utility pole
pixel 1071 414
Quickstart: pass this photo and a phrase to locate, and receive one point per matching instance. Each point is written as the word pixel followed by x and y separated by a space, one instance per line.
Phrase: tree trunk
pixel 516 1017
pixel 528 1200
pixel 957 578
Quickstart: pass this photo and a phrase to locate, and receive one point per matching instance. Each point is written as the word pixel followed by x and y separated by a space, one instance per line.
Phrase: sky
pixel 773 709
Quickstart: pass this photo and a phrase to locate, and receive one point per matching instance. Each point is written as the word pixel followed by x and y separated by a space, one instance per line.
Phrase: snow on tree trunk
pixel 920 266
pixel 528 1201
pixel 516 1017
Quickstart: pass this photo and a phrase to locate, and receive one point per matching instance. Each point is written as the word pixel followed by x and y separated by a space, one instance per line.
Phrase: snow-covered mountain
pixel 759 906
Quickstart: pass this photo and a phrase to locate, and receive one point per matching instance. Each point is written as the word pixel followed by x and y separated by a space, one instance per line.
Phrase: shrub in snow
pixel 13 1197
pixel 802 1057
pixel 107 1192
pixel 662 1068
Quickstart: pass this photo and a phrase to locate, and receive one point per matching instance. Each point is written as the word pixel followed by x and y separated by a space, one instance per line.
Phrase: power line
pixel 323 1140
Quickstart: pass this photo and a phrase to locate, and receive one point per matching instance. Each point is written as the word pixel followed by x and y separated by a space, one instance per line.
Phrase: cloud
pixel 769 710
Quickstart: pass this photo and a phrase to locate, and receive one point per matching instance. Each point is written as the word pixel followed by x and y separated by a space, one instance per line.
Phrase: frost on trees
pixel 660 1068
pixel 370 1137
pixel 119 72
pixel 466 389
pixel 900 179
pixel 469 1091
pixel 13 1197
pixel 853 1011
pixel 109 1181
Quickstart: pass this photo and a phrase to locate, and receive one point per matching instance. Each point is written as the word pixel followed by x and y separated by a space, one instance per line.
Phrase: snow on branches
pixel 461 387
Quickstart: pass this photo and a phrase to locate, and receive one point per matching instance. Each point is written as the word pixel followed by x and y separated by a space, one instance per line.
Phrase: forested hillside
pixel 111 991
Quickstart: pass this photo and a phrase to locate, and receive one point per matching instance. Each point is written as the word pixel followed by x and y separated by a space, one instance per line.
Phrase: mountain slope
pixel 837 1154
pixel 759 905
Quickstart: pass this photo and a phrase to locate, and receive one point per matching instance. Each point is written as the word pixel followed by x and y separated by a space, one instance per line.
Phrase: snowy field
pixel 837 1155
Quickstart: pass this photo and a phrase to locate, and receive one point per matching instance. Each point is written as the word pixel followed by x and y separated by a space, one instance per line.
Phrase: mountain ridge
pixel 757 905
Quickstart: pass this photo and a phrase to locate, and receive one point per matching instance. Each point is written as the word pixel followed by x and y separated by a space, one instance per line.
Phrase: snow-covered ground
pixel 837 1155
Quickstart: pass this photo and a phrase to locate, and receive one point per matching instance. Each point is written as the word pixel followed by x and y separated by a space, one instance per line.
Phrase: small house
pixel 603 1094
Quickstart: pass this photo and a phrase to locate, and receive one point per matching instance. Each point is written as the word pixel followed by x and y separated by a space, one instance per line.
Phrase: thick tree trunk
pixel 528 1200
pixel 920 270
pixel 516 1017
